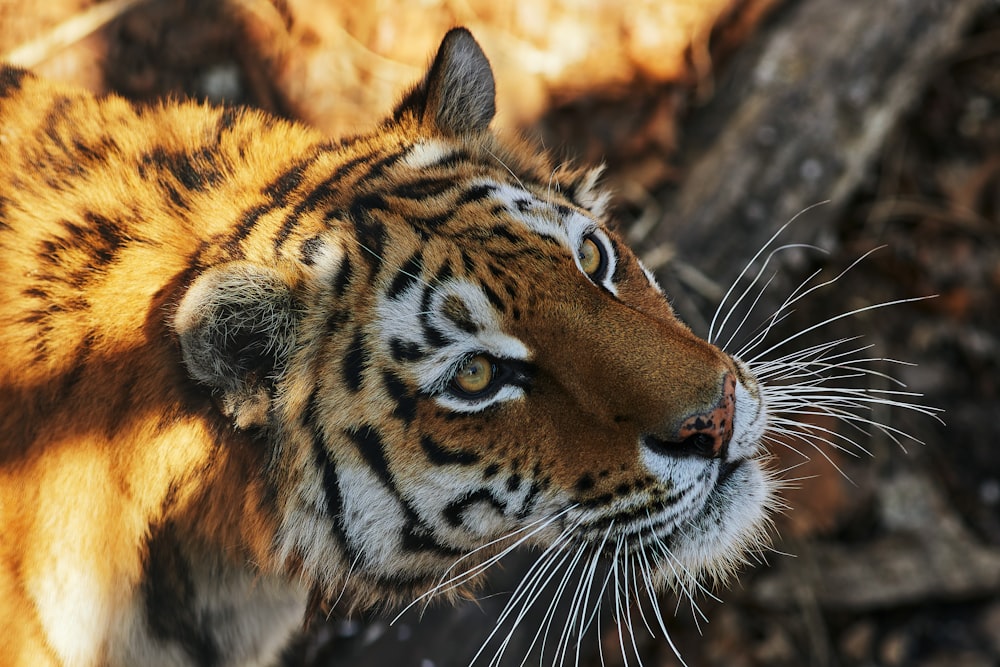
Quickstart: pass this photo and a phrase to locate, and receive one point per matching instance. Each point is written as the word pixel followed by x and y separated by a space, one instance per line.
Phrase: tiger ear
pixel 236 324
pixel 458 94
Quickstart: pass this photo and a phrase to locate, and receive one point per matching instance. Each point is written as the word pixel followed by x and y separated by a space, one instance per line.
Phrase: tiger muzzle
pixel 705 434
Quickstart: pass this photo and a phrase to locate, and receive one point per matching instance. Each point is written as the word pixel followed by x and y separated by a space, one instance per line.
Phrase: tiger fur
pixel 245 366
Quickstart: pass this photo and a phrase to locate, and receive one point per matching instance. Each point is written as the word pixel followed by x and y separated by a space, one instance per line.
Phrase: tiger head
pixel 449 350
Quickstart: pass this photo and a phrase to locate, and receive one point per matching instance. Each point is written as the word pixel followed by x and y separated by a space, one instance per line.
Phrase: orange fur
pixel 206 396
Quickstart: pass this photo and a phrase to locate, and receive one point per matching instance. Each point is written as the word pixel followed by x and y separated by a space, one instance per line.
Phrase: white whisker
pixel 444 585
pixel 746 269
pixel 528 589
pixel 835 318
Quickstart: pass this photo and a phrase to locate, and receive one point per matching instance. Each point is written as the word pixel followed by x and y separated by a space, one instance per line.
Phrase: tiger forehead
pixel 441 189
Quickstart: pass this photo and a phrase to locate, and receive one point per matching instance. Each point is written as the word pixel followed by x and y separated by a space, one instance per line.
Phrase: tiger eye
pixel 476 375
pixel 590 256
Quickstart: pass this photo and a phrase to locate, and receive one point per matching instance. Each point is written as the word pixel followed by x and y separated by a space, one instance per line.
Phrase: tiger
pixel 250 371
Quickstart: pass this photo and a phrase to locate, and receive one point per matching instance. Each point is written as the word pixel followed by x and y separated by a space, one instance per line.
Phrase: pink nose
pixel 705 434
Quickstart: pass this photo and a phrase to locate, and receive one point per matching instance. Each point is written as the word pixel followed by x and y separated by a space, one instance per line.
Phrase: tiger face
pixel 466 351
pixel 245 364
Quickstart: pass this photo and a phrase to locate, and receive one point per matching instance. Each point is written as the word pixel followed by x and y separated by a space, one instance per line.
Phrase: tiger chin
pixel 246 367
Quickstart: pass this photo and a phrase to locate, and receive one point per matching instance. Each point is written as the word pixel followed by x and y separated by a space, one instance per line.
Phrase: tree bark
pixel 798 118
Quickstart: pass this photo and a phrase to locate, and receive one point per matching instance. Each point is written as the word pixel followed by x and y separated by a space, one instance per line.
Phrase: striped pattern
pixel 228 381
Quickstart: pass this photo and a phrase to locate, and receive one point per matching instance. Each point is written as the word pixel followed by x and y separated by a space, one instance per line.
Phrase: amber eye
pixel 475 376
pixel 592 257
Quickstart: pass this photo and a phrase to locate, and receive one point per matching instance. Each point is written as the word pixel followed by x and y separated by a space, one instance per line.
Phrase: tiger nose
pixel 704 434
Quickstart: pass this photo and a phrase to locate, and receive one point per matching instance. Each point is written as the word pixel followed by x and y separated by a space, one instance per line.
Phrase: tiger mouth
pixel 660 520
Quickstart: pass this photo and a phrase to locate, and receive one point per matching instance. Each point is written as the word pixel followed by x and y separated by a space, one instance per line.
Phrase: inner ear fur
pixel 458 94
pixel 236 325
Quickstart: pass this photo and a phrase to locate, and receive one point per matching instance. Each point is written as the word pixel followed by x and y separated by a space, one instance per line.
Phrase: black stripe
pixel 11 80
pixel 406 276
pixel 355 362
pixel 369 444
pixel 431 224
pixel 316 197
pixel 423 188
pixel 336 319
pixel 111 240
pixel 513 482
pixel 343 277
pixel 171 600
pixel 445 272
pixel 277 192
pixel 406 403
pixel 620 267
pixel 310 249
pixel 494 298
pixel 248 220
pixel 415 535
pixel 282 186
pixel 54 118
pixel 195 173
pixel 405 351
pixel 475 193
pixel 452 513
pixel 439 456
pixel 370 232
pixel 432 336
pixel 505 232
pixel 320 194
pixel 379 166
pixel 227 118
pixel 470 266
pixel 331 482
pixel 529 500
pixel 584 483
pixel 453 159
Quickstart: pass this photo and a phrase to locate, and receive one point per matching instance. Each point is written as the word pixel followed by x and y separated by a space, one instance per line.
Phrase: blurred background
pixel 719 120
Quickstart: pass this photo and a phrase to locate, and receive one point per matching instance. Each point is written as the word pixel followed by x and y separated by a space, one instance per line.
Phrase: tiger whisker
pixel 577 608
pixel 711 330
pixel 801 292
pixel 526 591
pixel 566 624
pixel 770 321
pixel 814 431
pixel 550 613
pixel 835 318
pixel 504 165
pixel 651 592
pixel 635 589
pixel 811 441
pixel 444 585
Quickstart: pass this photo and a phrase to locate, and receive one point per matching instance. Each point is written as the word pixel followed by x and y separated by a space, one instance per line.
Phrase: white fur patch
pixel 307 530
pixel 649 276
pixel 749 422
pixel 545 219
pixel 373 518
pixel 426 153
pixel 403 319
pixel 75 610
pixel 590 196
pixel 326 261
pixel 538 216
